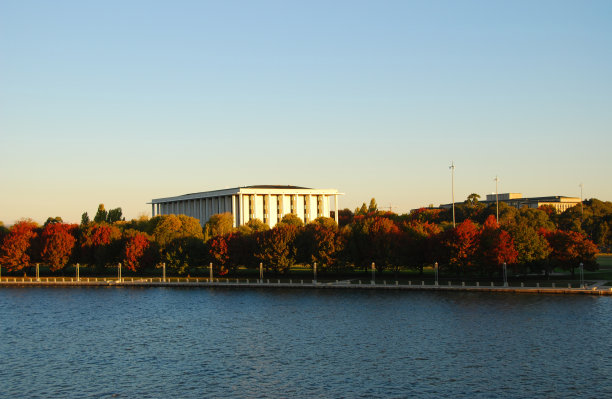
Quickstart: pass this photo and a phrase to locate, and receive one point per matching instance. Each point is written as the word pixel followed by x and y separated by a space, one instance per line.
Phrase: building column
pixel 240 210
pixel 336 208
pixel 234 211
pixel 268 215
pixel 153 210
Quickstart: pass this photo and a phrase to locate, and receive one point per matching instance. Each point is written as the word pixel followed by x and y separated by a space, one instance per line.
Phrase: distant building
pixel 266 203
pixel 559 202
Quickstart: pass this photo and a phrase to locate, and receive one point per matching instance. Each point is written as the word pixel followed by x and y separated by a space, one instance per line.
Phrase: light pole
pixel 496 200
pixel 37 272
pixel 260 272
pixel 581 275
pixel 373 273
pixel 452 168
pixel 581 207
pixel 315 273
pixel 436 268
pixel 119 271
pixel 164 272
pixel 210 279
pixel 505 275
pixel 78 276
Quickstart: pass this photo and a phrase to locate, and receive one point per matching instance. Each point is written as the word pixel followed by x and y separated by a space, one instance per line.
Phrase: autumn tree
pixel 18 245
pixel 570 248
pixel 100 244
pixel 58 241
pixel 218 249
pixel 321 242
pixel 276 248
pixel 416 246
pixel 496 247
pixel 460 245
pixel 291 220
pixel 138 251
pixel 219 224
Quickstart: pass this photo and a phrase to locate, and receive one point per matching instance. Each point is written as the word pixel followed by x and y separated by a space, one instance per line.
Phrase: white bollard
pixel 267 281
pixel 492 285
pixel 463 283
pixel 396 282
pixel 449 283
pixel 290 281
pixel 409 282
pixel 359 282
pixel 522 285
pixel 422 283
pixel 553 285
pixel 477 283
pixel 302 282
pixel 569 286
pixel 384 282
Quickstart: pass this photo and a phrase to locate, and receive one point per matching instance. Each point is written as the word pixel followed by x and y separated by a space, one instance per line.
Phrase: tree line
pixel 527 240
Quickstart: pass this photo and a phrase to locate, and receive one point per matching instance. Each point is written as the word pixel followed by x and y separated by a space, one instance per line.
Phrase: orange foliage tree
pixel 17 245
pixel 57 244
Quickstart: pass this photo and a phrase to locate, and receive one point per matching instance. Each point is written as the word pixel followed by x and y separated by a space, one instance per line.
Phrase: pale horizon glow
pixel 122 102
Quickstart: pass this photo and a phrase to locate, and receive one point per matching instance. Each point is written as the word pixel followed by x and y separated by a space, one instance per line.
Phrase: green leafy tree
pixel 532 248
pixel 85 219
pixel 114 215
pixel 101 215
pixel 373 207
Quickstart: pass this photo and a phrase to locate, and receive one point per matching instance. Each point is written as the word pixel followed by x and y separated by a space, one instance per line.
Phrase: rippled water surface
pixel 194 343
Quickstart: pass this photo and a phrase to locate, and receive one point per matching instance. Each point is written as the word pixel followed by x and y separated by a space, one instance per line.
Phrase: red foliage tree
pixel 101 244
pixel 570 248
pixel 16 248
pixel 57 244
pixel 218 249
pixel 322 244
pixel 461 245
pixel 135 250
pixel 496 247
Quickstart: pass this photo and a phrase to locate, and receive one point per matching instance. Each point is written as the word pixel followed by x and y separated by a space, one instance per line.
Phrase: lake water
pixel 194 343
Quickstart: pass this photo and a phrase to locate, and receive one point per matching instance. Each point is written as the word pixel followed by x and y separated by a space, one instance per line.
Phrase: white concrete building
pixel 266 203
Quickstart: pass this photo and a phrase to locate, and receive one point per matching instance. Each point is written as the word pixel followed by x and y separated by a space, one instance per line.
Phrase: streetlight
pixel 452 168
pixel 260 272
pixel 119 271
pixel 373 272
pixel 505 275
pixel 436 268
pixel 315 273
pixel 581 275
pixel 78 276
pixel 581 207
pixel 164 272
pixel 210 280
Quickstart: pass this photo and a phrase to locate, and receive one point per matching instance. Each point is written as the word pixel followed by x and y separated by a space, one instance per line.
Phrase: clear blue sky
pixel 119 102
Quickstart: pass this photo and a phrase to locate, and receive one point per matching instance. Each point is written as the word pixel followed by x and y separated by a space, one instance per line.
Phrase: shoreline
pixel 277 284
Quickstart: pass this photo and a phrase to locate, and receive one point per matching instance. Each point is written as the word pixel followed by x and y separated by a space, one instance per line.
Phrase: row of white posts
pixel 373 281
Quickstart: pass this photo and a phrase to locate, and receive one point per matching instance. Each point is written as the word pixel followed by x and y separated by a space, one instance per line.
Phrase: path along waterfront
pixel 594 289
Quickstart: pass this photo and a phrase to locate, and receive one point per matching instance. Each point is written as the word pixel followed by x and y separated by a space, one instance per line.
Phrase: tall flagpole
pixel 452 168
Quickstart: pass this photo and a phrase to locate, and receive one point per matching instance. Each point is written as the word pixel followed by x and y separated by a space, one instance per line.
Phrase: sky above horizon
pixel 121 102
